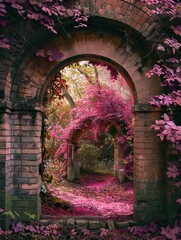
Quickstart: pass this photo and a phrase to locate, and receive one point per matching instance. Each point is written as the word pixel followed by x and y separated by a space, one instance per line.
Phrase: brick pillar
pixel 118 161
pixel 149 166
pixel 72 164
pixel 76 162
pixel 5 159
pixel 27 156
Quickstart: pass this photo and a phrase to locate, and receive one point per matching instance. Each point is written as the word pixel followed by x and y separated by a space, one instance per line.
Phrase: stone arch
pixel 74 144
pixel 132 14
pixel 116 35
pixel 90 57
pixel 73 171
pixel 84 44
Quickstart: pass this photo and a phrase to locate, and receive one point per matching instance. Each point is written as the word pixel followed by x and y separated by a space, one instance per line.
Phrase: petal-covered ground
pixel 94 195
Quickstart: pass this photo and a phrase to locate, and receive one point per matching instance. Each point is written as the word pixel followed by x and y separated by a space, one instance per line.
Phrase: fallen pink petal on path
pixel 94 195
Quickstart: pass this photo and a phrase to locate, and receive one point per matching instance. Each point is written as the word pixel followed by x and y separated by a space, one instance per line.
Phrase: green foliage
pixel 30 215
pixel 113 131
pixel 89 156
pixel 108 149
pixel 102 167
pixel 10 214
pixel 94 159
pixel 57 202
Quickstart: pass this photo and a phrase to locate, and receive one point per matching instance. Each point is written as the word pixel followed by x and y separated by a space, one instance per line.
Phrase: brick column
pixel 72 164
pixel 27 156
pixel 70 172
pixel 5 158
pixel 118 161
pixel 149 166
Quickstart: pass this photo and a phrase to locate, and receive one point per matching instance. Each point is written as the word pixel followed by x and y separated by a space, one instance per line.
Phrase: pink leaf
pixel 178 184
pixel 40 53
pixel 160 48
pixel 160 122
pixel 104 232
pixel 86 232
pixel 172 139
pixel 172 171
pixel 1 210
pixel 4 43
pixel 161 136
pixel 54 55
pixel 176 29
pixel 179 201
pixel 166 117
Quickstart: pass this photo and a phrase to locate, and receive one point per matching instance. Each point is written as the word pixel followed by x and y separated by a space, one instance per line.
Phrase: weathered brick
pixel 21 127
pixel 111 225
pixel 93 224
pixel 81 223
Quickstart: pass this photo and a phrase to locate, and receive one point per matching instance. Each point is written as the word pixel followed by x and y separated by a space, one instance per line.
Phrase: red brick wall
pixel 23 81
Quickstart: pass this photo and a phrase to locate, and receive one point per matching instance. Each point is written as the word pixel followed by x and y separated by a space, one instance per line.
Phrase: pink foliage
pixel 169 75
pixel 176 29
pixel 4 42
pixel 44 12
pixel 156 70
pixel 100 108
pixel 40 53
pixel 169 70
pixel 5 232
pixel 52 55
pixel 168 130
pixel 141 230
pixel 1 210
pixel 49 230
pixel 173 44
pixel 104 232
pixel 172 233
pixel 173 171
pixel 93 196
pixel 171 99
pixel 55 131
pixel 164 7
pixel 80 18
pixel 19 227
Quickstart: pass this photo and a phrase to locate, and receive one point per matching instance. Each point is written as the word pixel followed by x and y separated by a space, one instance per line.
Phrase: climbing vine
pixel 45 12
pixel 167 67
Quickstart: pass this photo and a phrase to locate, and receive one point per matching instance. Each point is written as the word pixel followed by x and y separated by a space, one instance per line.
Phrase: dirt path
pixel 94 195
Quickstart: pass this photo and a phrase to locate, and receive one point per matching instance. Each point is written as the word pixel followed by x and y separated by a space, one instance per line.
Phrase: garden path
pixel 93 195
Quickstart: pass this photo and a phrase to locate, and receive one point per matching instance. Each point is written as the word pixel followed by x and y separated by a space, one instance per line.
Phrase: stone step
pixel 91 224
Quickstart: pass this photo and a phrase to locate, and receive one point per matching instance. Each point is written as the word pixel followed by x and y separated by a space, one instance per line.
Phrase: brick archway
pixel 23 90
pixel 74 143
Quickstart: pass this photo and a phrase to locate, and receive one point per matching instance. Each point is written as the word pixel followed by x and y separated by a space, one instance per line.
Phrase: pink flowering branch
pixel 99 109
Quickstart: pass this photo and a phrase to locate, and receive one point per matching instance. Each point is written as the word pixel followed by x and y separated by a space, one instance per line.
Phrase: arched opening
pixel 110 121
pixel 28 89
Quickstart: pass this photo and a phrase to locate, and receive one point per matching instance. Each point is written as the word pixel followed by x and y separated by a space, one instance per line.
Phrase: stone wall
pixel 149 166
pixel 117 35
